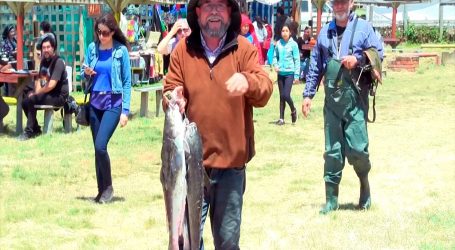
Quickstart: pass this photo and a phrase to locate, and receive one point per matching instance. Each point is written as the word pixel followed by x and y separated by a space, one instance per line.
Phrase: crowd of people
pixel 228 84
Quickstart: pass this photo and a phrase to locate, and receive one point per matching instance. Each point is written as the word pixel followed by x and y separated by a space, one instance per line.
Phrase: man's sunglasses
pixel 104 33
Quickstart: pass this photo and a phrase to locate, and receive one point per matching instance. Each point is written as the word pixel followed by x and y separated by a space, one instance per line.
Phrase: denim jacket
pixel 327 48
pixel 121 71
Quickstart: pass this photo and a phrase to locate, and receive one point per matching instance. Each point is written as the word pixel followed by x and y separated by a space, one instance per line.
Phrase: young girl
pixel 286 61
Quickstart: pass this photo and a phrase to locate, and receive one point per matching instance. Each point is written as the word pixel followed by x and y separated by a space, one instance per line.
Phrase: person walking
pixel 219 97
pixel 286 62
pixel 50 89
pixel 108 70
pixel 336 58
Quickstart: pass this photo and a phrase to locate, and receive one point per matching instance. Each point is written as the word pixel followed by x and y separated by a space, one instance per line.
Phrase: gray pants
pixel 223 200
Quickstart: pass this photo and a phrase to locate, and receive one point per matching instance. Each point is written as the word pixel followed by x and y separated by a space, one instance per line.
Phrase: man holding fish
pixel 215 79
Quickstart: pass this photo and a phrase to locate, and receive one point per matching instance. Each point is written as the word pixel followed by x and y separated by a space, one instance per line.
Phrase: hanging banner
pixel 94 10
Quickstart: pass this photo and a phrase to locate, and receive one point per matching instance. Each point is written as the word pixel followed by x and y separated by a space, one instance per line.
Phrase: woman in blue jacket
pixel 286 61
pixel 107 66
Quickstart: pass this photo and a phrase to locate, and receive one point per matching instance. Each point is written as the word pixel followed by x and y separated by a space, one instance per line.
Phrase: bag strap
pixel 350 49
pixel 352 35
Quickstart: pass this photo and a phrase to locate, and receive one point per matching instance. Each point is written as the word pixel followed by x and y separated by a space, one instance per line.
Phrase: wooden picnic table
pixel 21 81
pixel 392 41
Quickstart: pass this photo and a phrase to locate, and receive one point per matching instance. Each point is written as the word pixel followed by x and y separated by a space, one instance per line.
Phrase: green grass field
pixel 47 183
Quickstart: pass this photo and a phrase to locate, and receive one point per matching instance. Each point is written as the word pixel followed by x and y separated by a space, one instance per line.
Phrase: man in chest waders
pixel 337 58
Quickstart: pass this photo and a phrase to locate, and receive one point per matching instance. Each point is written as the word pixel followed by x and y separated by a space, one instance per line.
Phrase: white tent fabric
pixel 268 2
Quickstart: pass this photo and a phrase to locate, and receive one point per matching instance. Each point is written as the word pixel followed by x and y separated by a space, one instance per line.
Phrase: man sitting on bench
pixel 50 89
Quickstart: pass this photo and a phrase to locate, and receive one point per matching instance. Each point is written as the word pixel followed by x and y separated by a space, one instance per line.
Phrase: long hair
pixel 109 21
pixel 45 26
pixel 6 31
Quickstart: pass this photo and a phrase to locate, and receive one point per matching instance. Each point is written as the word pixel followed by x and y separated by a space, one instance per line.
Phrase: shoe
pixel 3 128
pixel 365 197
pixel 331 197
pixel 294 116
pixel 25 136
pixel 37 133
pixel 280 122
pixel 97 198
pixel 107 195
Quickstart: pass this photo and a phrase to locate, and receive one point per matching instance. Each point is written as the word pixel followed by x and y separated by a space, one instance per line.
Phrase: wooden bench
pixel 145 96
pixel 49 116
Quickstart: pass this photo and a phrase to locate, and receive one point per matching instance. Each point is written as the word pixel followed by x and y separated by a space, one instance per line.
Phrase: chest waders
pixel 345 132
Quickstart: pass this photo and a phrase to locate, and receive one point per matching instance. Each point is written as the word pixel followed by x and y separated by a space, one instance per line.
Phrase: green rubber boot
pixel 331 198
pixel 365 197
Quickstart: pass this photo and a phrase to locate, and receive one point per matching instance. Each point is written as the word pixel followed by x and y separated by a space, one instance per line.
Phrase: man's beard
pixel 48 56
pixel 214 33
pixel 342 16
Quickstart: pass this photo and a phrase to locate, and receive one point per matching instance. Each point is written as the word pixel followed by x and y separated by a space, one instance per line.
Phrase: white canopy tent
pixel 268 2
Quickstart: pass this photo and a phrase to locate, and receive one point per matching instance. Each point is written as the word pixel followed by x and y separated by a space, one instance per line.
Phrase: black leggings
pixel 30 111
pixel 285 87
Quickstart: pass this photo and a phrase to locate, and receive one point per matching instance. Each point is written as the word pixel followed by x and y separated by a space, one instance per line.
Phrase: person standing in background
pixel 107 67
pixel 280 21
pixel 247 30
pixel 9 42
pixel 261 33
pixel 179 30
pixel 304 52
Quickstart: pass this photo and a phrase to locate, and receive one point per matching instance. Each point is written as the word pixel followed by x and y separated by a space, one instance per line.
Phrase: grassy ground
pixel 47 183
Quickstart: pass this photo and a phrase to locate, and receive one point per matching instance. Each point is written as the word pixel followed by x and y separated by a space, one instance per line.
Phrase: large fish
pixel 182 179
pixel 195 184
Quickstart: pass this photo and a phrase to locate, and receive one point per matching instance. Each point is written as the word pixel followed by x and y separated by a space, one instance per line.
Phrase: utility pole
pixel 441 24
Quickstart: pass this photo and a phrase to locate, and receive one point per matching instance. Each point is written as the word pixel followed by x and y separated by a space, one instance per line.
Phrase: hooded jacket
pixel 225 122
pixel 252 33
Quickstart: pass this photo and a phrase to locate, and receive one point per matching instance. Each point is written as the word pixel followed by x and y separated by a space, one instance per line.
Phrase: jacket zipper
pixel 211 65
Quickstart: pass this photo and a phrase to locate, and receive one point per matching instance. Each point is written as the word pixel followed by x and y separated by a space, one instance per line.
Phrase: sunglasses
pixel 104 33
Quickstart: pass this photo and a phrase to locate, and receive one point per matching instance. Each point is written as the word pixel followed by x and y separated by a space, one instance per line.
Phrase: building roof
pixel 389 2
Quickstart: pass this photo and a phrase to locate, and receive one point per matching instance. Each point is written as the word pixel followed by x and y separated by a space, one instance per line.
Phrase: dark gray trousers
pixel 223 200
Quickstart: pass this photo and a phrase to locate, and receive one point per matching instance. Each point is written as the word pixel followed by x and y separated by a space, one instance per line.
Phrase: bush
pixel 427 34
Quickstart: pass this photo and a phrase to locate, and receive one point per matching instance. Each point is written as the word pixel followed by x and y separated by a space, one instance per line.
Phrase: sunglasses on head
pixel 103 32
